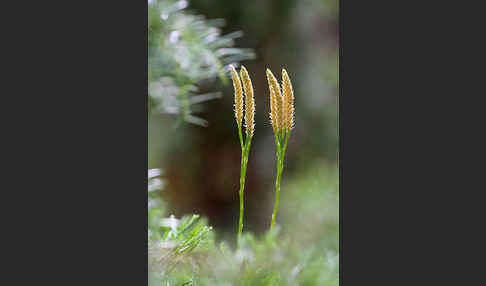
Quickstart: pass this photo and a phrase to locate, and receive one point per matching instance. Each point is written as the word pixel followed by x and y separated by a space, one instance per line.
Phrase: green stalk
pixel 280 160
pixel 285 146
pixel 241 137
pixel 277 191
pixel 245 150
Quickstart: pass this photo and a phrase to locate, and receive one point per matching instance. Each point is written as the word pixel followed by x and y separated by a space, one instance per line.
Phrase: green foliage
pixel 178 247
pixel 183 51
pixel 304 254
pixel 155 204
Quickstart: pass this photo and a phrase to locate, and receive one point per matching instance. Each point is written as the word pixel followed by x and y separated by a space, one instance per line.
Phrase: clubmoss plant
pixel 282 119
pixel 249 128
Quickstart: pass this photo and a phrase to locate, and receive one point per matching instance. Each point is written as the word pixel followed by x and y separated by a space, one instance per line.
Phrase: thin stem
pixel 277 181
pixel 244 161
pixel 241 137
pixel 277 144
pixel 280 160
pixel 277 191
pixel 285 145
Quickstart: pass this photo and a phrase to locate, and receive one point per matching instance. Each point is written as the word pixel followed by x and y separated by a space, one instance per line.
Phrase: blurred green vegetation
pixel 194 150
pixel 304 251
pixel 184 50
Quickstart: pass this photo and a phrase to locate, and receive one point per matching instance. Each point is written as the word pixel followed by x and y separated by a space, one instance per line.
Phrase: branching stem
pixel 281 141
pixel 245 150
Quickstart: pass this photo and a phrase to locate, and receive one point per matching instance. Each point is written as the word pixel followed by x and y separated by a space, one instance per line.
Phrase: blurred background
pixel 193 137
